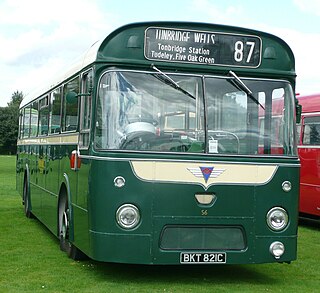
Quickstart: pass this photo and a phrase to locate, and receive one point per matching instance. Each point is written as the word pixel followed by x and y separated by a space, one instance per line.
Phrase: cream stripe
pixel 49 140
pixel 180 173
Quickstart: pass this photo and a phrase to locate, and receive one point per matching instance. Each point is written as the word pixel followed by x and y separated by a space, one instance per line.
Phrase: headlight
pixel 277 249
pixel 277 219
pixel 128 216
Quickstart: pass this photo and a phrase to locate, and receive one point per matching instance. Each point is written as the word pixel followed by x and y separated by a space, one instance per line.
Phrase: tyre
pixel 64 232
pixel 26 200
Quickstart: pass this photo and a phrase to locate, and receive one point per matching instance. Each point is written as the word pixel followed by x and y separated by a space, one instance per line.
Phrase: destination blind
pixel 202 47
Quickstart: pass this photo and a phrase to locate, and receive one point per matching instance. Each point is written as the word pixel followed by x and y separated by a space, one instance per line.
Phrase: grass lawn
pixel 31 261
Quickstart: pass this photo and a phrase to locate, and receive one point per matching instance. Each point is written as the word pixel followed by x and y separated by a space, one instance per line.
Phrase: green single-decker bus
pixel 160 146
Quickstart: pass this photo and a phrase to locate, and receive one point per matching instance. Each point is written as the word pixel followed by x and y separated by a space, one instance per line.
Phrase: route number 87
pixel 239 51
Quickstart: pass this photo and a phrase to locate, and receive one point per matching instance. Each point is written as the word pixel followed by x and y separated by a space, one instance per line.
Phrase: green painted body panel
pixel 165 204
pixel 114 50
pixel 95 200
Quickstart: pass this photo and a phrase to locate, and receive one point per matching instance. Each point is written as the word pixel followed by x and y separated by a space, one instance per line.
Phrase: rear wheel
pixel 26 200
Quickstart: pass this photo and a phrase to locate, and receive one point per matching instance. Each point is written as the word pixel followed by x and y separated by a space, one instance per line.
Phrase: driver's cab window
pixel 140 111
pixel 180 120
pixel 227 122
pixel 234 112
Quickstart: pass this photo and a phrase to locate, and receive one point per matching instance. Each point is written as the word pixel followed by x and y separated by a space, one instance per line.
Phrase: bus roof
pixel 83 61
pixel 310 103
pixel 126 46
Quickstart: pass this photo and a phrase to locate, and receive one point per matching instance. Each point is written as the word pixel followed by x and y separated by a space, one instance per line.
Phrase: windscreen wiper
pixel 169 81
pixel 242 86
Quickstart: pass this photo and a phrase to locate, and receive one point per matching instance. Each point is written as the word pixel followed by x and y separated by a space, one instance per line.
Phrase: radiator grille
pixel 202 238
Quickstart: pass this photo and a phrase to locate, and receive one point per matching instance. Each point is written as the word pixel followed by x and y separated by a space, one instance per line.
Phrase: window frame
pixel 64 105
pixel 306 123
pixel 85 109
pixel 59 88
pixel 42 108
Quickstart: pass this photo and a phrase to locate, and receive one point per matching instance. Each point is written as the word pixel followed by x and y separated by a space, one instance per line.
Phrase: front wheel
pixel 64 233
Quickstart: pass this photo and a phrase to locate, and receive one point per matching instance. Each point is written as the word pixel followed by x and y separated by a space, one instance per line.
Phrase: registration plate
pixel 202 258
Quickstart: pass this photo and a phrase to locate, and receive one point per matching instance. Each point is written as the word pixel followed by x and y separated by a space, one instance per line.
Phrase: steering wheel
pixel 136 134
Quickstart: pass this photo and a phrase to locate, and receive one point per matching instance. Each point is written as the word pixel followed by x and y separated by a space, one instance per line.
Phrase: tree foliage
pixel 9 117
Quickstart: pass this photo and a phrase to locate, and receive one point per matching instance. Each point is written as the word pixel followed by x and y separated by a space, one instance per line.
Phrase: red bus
pixel 309 152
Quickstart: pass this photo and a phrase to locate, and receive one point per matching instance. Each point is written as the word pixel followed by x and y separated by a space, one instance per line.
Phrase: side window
pixel 86 104
pixel 26 122
pixel 44 116
pixel 34 119
pixel 298 133
pixel 55 111
pixel 311 131
pixel 70 106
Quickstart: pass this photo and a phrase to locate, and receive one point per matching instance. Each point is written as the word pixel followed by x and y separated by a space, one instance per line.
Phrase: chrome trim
pixel 303 146
pixel 213 161
pixel 286 186
pixel 285 222
pixel 272 251
pixel 309 113
pixel 136 216
pixel 119 181
pixel 205 198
